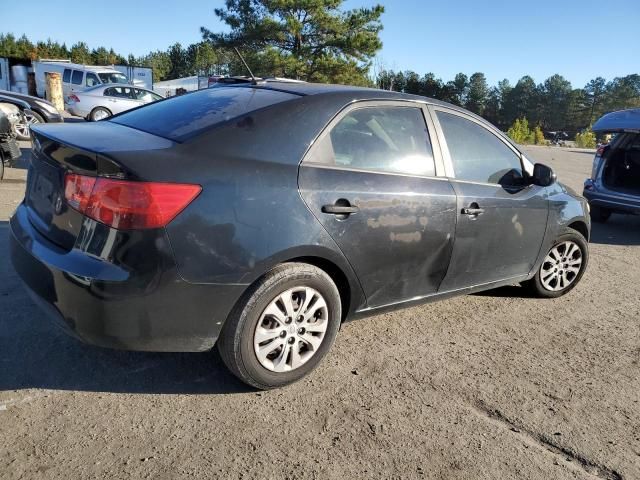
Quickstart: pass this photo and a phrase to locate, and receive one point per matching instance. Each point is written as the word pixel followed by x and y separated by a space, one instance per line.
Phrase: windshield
pixel 180 118
pixel 113 77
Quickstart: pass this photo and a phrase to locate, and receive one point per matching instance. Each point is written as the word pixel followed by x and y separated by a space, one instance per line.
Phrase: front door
pixel 370 179
pixel 501 218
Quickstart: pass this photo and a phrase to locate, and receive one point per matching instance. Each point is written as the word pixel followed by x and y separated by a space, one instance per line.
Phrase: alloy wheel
pixel 561 266
pixel 291 329
pixel 23 128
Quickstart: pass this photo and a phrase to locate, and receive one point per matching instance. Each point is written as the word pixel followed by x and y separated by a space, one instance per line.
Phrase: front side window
pixel 91 80
pixel 76 78
pixel 477 154
pixel 66 76
pixel 388 139
pixel 113 77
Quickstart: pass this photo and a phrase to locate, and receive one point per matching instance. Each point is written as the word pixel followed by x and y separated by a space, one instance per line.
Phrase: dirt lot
pixel 490 386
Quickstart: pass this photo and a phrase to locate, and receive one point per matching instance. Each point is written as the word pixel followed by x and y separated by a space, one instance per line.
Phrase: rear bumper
pixel 611 201
pixel 76 111
pixel 52 117
pixel 105 304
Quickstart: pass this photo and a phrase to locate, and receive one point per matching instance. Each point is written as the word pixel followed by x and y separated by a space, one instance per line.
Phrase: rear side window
pixel 477 154
pixel 66 76
pixel 76 78
pixel 183 117
pixel 388 139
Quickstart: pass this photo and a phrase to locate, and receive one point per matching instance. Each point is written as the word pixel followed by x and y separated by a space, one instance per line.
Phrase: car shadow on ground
pixel 34 353
pixel 618 230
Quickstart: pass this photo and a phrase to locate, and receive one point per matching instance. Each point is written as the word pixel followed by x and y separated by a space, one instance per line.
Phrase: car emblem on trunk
pixel 58 204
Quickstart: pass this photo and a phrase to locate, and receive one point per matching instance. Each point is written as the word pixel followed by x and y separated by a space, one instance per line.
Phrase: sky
pixel 579 39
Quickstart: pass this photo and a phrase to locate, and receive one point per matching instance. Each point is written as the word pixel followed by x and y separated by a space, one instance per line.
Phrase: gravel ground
pixel 492 386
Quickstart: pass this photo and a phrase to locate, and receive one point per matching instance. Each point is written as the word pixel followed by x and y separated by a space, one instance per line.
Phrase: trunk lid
pixel 621 121
pixel 86 149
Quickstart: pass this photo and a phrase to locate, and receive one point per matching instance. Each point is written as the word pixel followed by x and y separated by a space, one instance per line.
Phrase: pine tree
pixel 311 40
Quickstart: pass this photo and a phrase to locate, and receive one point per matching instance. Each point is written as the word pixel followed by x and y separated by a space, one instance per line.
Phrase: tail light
pixel 128 205
pixel 74 98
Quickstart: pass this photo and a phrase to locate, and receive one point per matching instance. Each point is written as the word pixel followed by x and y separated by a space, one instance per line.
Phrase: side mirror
pixel 543 176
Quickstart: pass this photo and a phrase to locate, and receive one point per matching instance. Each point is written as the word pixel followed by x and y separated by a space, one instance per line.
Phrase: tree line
pixel 175 62
pixel 320 41
pixel 554 105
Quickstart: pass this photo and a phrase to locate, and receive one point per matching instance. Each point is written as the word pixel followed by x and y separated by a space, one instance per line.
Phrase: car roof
pixel 347 93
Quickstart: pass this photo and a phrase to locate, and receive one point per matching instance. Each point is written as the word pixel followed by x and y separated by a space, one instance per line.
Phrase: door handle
pixel 472 211
pixel 339 209
pixel 342 208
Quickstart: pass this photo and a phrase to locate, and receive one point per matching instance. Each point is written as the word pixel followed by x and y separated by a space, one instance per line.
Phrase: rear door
pixel 372 180
pixel 120 99
pixel 501 218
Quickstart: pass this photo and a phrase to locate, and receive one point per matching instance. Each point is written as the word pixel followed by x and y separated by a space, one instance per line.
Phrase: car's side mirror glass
pixel 543 176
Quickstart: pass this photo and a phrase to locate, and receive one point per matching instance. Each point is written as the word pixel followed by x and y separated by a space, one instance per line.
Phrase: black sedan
pixel 38 111
pixel 261 216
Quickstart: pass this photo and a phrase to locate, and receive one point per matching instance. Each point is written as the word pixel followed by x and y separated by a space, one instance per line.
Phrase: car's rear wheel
pixel 563 267
pixel 99 113
pixel 283 327
pixel 599 214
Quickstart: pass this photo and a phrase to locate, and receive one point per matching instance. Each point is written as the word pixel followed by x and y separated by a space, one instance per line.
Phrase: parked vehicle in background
pixel 38 111
pixel 15 111
pixel 76 77
pixel 261 216
pixel 101 102
pixel 614 185
pixel 9 149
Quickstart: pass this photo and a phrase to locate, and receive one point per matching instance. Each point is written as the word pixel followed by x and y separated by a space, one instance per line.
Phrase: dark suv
pixel 614 185
pixel 262 216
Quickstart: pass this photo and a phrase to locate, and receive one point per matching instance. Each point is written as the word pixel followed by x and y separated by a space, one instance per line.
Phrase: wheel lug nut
pixel 283 334
pixel 291 340
pixel 301 331
pixel 288 320
pixel 300 319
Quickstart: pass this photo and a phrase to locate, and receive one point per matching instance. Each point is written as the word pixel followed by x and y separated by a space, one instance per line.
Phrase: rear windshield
pixel 183 117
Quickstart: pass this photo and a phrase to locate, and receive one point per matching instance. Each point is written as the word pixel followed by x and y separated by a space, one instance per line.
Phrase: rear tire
pixel 269 350
pixel 1 165
pixel 557 275
pixel 99 113
pixel 599 214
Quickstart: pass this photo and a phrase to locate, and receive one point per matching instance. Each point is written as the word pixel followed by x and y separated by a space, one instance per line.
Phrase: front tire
pixel 99 113
pixel 282 327
pixel 563 267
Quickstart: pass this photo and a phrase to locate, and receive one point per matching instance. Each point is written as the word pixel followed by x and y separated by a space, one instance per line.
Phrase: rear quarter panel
pixel 249 216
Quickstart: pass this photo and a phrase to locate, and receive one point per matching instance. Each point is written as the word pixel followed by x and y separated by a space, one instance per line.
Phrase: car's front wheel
pixel 563 266
pixel 283 327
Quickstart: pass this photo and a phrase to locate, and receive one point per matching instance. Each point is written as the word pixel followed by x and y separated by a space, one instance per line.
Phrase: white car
pixel 101 102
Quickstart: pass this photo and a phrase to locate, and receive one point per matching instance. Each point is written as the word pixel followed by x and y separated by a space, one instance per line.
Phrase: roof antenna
pixel 253 78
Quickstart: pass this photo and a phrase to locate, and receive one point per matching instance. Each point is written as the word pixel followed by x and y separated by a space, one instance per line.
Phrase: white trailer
pixel 75 77
pixel 138 76
pixel 5 82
